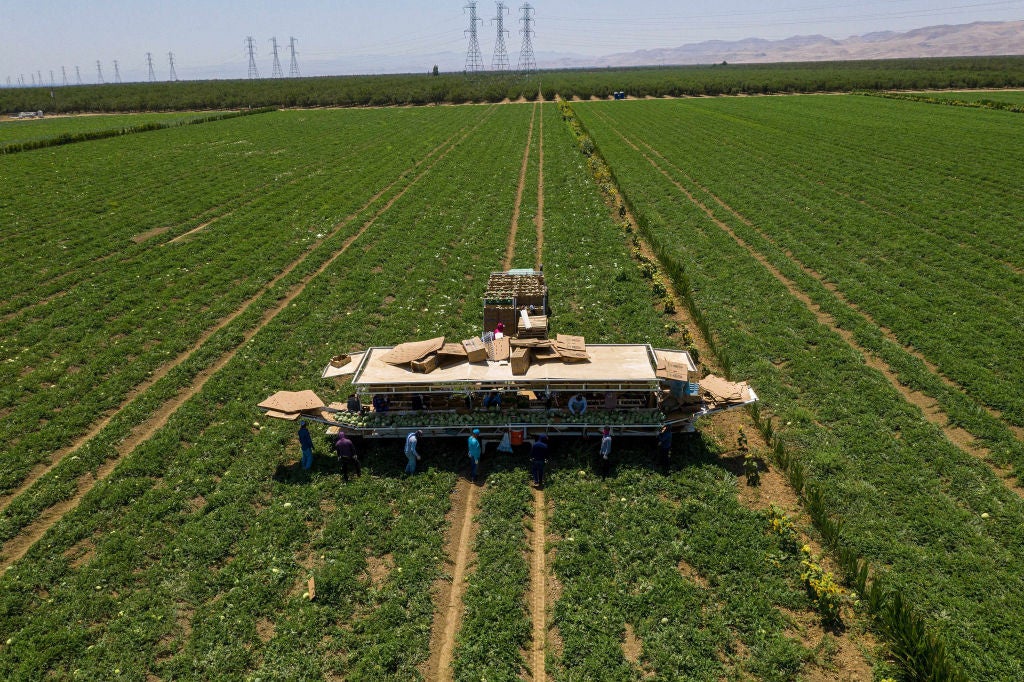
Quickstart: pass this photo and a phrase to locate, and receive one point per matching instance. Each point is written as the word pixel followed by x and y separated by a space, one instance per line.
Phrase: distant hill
pixel 963 40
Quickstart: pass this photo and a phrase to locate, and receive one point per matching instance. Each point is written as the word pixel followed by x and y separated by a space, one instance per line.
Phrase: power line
pixel 173 76
pixel 474 60
pixel 149 64
pixel 78 76
pixel 251 46
pixel 276 72
pixel 527 60
pixel 499 62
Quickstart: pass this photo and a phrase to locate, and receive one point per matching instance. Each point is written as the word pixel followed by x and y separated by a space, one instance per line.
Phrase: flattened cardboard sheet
pixel 541 353
pixel 674 371
pixel 405 353
pixel 293 401
pixel 456 350
pixel 723 390
pixel 289 416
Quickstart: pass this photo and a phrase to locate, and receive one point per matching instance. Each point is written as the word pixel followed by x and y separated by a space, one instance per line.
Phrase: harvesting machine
pixel 514 378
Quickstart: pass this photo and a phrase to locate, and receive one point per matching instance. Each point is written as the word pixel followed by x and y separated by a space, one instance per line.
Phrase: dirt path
pixel 539 219
pixel 511 248
pixel 448 615
pixel 889 335
pixel 538 587
pixel 928 406
pixel 16 548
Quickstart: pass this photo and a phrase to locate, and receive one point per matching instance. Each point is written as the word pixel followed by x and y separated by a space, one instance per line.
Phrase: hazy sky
pixel 207 36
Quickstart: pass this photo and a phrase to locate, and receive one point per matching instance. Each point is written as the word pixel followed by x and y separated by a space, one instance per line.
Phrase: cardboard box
pixel 520 361
pixel 476 351
pixel 426 365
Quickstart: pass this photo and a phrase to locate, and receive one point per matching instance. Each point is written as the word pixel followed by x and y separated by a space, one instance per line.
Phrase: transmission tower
pixel 78 76
pixel 474 60
pixel 40 74
pixel 293 70
pixel 63 76
pixel 99 72
pixel 149 63
pixel 251 46
pixel 173 74
pixel 276 72
pixel 53 82
pixel 499 62
pixel 527 61
pixel 33 78
pixel 117 72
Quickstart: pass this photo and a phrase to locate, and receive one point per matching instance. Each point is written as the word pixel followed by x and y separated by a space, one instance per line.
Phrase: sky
pixel 207 37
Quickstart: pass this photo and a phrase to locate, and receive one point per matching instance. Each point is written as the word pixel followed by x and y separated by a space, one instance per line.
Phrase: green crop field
pixel 1007 96
pixel 856 258
pixel 27 130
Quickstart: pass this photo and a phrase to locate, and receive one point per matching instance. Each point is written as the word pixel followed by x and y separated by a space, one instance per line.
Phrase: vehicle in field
pixel 513 379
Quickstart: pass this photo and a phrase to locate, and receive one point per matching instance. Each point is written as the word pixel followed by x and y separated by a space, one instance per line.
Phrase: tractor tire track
pixel 511 248
pixel 539 220
pixel 538 587
pixel 16 548
pixel 929 408
pixel 448 613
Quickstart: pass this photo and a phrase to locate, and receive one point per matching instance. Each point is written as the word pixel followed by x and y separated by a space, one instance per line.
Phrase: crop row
pixel 210 448
pixel 915 269
pixel 105 194
pixel 59 483
pixel 961 72
pixel 65 368
pixel 907 499
pixel 41 129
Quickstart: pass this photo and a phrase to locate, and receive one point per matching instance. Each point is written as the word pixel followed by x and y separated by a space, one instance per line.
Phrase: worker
pixel 418 403
pixel 538 455
pixel 306 443
pixel 353 404
pixel 499 331
pixel 493 399
pixel 474 453
pixel 604 461
pixel 577 404
pixel 381 403
pixel 410 451
pixel 346 455
pixel 664 445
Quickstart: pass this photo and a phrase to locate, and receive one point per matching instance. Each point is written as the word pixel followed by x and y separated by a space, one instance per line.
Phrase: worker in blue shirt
pixel 306 443
pixel 474 453
pixel 665 445
pixel 605 453
pixel 411 453
pixel 577 404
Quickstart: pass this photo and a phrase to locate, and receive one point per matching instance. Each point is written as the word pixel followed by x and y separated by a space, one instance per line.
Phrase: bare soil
pixel 510 249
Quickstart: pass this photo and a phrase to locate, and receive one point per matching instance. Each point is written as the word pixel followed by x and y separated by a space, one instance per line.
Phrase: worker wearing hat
pixel 347 455
pixel 474 453
pixel 306 443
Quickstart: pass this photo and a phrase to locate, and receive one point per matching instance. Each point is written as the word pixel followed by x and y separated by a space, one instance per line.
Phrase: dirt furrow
pixel 840 296
pixel 539 220
pixel 20 544
pixel 956 435
pixel 538 588
pixel 511 248
pixel 448 614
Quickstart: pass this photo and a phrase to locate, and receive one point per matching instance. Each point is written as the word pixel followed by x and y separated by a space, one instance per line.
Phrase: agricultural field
pixel 863 271
pixel 1007 96
pixel 858 269
pixel 28 130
